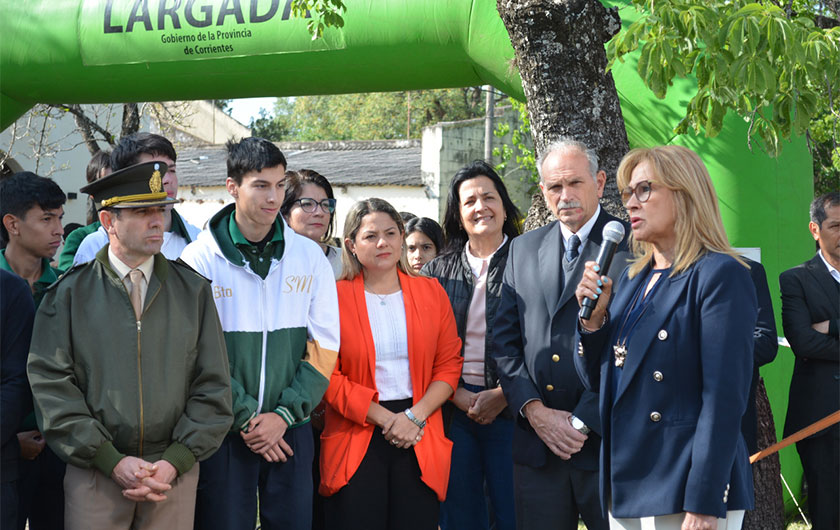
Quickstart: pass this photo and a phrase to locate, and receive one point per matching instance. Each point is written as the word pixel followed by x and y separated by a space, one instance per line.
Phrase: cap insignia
pixel 155 183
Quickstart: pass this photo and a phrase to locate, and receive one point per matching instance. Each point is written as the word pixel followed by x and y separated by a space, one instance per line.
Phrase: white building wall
pixel 202 121
pixel 449 146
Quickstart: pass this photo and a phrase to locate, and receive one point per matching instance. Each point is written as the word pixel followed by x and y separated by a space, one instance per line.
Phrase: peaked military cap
pixel 137 186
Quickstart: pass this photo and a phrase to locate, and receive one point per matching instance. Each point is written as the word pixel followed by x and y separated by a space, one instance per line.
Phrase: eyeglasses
pixel 640 190
pixel 309 205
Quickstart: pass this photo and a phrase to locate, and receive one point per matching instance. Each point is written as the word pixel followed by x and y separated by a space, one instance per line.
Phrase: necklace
pixel 620 346
pixel 381 297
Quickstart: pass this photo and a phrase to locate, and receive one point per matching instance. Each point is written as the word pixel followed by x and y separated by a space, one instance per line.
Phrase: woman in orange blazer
pixel 384 457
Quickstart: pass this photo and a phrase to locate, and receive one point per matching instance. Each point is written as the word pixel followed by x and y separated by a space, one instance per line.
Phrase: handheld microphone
pixel 613 234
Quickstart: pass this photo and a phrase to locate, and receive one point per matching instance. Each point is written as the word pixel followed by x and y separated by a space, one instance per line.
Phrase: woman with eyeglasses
pixel 672 354
pixel 309 208
pixel 384 456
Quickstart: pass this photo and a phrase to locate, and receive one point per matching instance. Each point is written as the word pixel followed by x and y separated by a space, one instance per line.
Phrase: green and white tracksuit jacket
pixel 280 322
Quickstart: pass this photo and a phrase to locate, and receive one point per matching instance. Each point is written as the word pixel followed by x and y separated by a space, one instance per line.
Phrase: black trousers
pixel 386 492
pixel 41 492
pixel 555 495
pixel 8 505
pixel 821 463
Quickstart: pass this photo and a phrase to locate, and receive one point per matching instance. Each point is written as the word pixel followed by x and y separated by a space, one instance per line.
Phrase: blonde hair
pixel 698 226
pixel 351 267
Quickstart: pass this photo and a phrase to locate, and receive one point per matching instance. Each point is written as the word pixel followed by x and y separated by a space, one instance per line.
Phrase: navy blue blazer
pixel 672 437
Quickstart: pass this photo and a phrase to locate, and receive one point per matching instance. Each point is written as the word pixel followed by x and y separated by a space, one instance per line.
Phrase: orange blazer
pixel 434 354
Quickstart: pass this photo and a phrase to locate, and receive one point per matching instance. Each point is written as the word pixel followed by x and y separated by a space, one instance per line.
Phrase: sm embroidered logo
pixel 298 284
pixel 222 292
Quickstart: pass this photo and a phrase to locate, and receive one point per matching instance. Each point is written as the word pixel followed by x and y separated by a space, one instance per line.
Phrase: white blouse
pixel 390 338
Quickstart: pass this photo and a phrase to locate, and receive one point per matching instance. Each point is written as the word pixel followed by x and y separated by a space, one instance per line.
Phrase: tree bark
pixel 560 54
pixel 769 513
pixel 131 119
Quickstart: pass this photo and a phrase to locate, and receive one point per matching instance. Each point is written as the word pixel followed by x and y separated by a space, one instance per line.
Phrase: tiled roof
pixel 351 163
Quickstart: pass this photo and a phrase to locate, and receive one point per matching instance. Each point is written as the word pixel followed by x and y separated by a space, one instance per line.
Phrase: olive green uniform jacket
pixel 106 386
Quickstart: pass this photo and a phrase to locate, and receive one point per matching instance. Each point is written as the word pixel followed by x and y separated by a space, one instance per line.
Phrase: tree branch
pixel 87 127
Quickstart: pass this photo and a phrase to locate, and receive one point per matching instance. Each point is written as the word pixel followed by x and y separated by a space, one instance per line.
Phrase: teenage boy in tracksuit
pixel 276 297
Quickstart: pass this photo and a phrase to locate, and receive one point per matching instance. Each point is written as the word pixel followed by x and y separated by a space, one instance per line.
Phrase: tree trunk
pixel 769 513
pixel 559 47
pixel 131 119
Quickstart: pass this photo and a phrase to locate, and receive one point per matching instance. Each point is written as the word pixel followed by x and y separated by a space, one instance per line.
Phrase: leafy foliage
pixel 520 151
pixel 223 105
pixel 367 116
pixel 770 64
pixel 822 137
pixel 327 14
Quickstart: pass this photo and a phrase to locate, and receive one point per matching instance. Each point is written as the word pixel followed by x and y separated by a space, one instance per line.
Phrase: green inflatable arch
pixel 101 51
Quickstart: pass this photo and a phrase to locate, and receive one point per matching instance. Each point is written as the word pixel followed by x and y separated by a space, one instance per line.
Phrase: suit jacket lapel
pixel 824 281
pixel 647 329
pixel 549 257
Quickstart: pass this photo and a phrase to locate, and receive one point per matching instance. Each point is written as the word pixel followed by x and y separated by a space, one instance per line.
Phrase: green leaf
pixel 753 34
pixel 644 60
pixel 770 136
pixel 736 37
pixel 714 121
pixel 750 9
pixel 702 71
pixel 768 77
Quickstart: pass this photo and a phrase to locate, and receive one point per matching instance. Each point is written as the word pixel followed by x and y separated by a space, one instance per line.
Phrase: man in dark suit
pixel 810 318
pixel 556 441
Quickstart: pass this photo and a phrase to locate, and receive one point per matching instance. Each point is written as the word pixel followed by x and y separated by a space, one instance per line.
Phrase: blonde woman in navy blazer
pixel 673 354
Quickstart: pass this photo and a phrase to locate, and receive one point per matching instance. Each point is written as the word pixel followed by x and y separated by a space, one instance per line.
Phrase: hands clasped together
pixel 481 407
pixel 401 432
pixel 142 480
pixel 264 436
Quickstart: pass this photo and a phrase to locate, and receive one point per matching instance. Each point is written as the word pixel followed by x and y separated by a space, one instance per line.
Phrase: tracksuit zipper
pixel 261 395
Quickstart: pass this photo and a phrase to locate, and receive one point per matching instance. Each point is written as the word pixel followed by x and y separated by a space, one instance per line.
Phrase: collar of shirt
pixel 476 264
pixel 48 274
pixel 122 269
pixel 831 270
pixel 239 239
pixel 583 233
pixel 178 227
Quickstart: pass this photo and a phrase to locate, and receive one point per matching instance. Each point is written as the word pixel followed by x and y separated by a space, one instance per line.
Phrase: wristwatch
pixel 578 424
